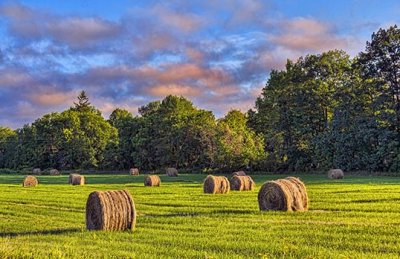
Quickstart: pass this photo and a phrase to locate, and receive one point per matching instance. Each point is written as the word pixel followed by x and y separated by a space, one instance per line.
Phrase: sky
pixel 125 54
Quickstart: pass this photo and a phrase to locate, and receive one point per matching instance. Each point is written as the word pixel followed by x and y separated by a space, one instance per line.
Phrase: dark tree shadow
pixel 41 232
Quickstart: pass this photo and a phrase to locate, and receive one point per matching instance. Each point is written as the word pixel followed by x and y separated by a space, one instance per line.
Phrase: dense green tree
pixel 7 137
pixel 380 68
pixel 174 133
pixel 297 105
pixel 119 155
pixel 239 147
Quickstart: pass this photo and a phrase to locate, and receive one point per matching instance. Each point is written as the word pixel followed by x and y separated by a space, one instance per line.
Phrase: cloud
pixel 173 89
pixel 53 99
pixel 13 77
pixel 181 21
pixel 307 34
pixel 74 31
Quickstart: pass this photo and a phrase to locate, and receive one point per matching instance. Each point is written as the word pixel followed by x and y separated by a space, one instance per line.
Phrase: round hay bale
pixel 302 189
pixel 216 184
pixel 172 172
pixel 36 171
pixel 110 210
pixel 54 172
pixel 134 171
pixel 283 194
pixel 242 183
pixel 152 180
pixel 70 177
pixel 76 179
pixel 335 174
pixel 239 173
pixel 30 181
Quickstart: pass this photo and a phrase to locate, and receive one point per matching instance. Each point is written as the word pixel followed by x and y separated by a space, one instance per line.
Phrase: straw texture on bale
pixel 287 194
pixel 36 171
pixel 110 210
pixel 242 183
pixel 172 171
pixel 76 179
pixel 239 173
pixel 30 181
pixel 335 174
pixel 152 180
pixel 134 171
pixel 54 172
pixel 216 184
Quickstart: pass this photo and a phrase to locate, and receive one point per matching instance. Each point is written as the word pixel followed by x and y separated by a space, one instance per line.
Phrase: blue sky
pixel 128 53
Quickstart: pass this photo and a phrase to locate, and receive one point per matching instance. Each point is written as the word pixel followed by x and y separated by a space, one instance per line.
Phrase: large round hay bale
pixel 54 172
pixel 239 173
pixel 302 189
pixel 30 181
pixel 172 172
pixel 110 210
pixel 152 180
pixel 335 174
pixel 216 184
pixel 36 171
pixel 76 179
pixel 242 183
pixel 287 194
pixel 134 171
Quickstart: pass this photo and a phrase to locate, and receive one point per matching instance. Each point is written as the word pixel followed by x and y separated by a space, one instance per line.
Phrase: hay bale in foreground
pixel 287 194
pixel 242 183
pixel 172 172
pixel 216 184
pixel 134 171
pixel 335 174
pixel 76 179
pixel 239 173
pixel 152 180
pixel 30 181
pixel 54 172
pixel 110 210
pixel 302 189
pixel 36 171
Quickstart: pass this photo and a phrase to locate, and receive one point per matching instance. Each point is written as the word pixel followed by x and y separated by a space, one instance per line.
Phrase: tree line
pixel 322 111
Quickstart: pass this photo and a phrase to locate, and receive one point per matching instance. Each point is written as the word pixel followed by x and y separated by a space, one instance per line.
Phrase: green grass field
pixel 358 217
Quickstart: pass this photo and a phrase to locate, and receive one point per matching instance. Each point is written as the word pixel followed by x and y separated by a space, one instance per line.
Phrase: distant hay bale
pixel 216 184
pixel 152 180
pixel 287 194
pixel 134 171
pixel 70 177
pixel 335 174
pixel 54 172
pixel 110 210
pixel 239 173
pixel 76 179
pixel 242 183
pixel 30 181
pixel 36 171
pixel 172 172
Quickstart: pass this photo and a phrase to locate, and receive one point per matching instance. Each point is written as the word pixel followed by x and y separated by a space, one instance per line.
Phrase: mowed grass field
pixel 357 217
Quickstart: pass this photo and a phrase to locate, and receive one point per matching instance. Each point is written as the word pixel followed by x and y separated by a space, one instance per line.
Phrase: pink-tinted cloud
pixel 182 21
pixel 74 31
pixel 174 89
pixel 306 34
pixel 53 99
pixel 14 78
